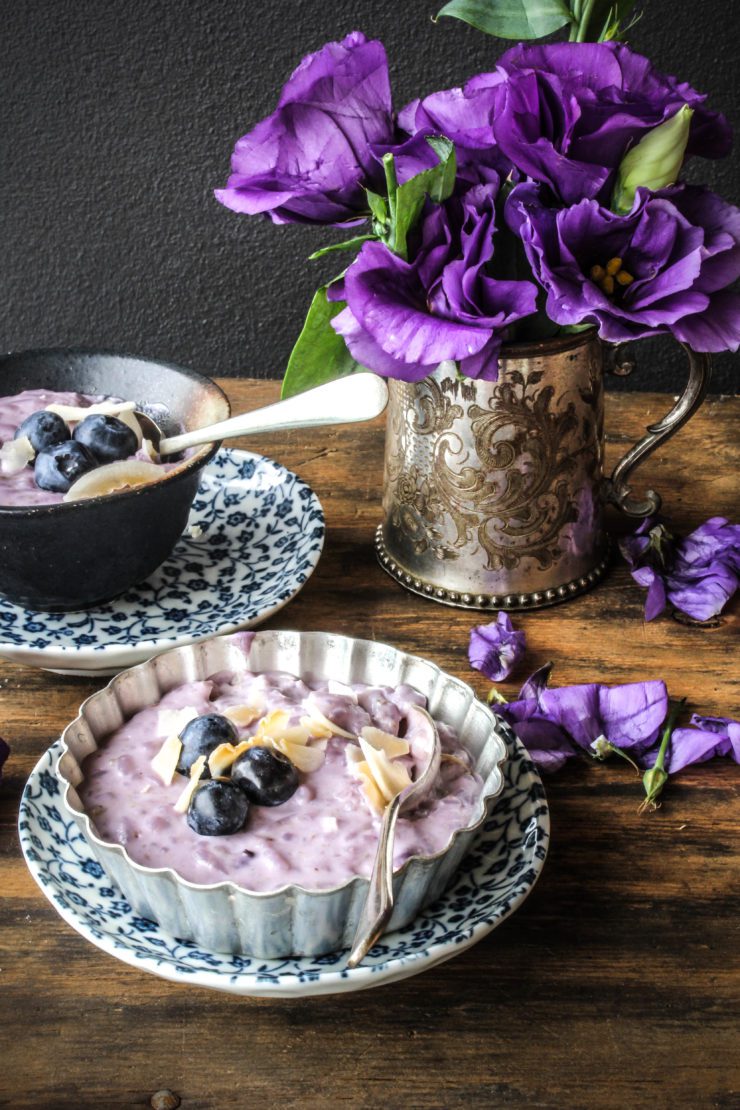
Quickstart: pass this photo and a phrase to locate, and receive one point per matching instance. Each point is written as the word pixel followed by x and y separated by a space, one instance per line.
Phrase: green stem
pixel 670 724
pixel 655 779
pixel 391 181
pixel 585 20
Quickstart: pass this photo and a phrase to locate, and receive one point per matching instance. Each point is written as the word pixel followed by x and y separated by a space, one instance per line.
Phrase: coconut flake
pixel 243 715
pixel 165 761
pixel 390 778
pixel 73 414
pixel 222 757
pixel 196 770
pixel 341 689
pixel 393 746
pixel 15 455
pixel 113 477
pixel 171 722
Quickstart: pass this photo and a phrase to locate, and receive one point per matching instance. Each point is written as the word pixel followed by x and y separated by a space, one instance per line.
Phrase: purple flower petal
pixel 405 318
pixel 698 575
pixel 673 255
pixel 567 113
pixel 710 737
pixel 496 648
pixel 566 719
pixel 309 160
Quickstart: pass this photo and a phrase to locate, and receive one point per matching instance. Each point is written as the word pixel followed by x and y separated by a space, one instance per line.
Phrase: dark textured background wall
pixel 117 121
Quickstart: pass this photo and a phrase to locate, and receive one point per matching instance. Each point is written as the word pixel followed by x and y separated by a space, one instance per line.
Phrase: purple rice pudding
pixel 49 440
pixel 267 780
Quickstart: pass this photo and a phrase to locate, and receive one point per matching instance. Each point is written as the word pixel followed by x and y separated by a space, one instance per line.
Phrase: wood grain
pixel 616 985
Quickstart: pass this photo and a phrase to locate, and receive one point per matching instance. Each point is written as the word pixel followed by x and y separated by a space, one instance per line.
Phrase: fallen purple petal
pixel 706 738
pixel 496 648
pixel 697 575
pixel 554 724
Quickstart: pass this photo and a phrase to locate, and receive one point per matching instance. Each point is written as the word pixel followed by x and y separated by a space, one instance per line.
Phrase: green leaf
pixel 408 201
pixel 378 206
pixel 320 355
pixel 347 245
pixel 510 19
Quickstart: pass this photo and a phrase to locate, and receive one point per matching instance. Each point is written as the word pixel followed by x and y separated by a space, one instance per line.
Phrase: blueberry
pixel 217 809
pixel 44 429
pixel 200 736
pixel 267 777
pixel 58 467
pixel 107 437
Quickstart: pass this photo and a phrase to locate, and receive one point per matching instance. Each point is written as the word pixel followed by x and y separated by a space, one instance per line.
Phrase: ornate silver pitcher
pixel 494 491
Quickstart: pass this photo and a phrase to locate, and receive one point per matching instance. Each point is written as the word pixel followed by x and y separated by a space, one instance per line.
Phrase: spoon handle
pixel 346 400
pixel 379 901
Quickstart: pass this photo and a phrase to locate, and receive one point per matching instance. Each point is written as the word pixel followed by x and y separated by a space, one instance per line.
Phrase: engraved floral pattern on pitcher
pixel 500 476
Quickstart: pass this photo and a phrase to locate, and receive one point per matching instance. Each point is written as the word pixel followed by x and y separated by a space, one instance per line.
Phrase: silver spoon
pixel 347 400
pixel 379 902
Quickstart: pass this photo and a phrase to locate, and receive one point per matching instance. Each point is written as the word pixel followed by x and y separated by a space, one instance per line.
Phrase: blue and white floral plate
pixel 254 537
pixel 493 881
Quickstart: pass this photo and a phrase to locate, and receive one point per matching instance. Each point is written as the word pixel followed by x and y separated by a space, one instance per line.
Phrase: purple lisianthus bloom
pixel 496 648
pixel 709 737
pixel 309 160
pixel 405 318
pixel 662 268
pixel 567 113
pixel 465 116
pixel 556 724
pixel 697 575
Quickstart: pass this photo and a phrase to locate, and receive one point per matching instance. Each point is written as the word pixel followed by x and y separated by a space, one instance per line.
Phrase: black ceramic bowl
pixel 71 555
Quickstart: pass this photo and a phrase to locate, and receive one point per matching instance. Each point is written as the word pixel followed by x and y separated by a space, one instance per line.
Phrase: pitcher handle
pixel 617 490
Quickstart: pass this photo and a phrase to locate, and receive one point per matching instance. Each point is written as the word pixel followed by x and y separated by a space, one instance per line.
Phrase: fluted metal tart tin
pixel 292 921
pixel 75 554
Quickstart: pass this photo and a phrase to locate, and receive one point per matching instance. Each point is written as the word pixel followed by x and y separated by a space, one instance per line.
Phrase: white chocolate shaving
pixel 15 455
pixel 165 761
pixel 196 770
pixel 393 746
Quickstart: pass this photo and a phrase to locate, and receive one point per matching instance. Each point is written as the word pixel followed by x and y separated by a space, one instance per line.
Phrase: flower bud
pixel 654 162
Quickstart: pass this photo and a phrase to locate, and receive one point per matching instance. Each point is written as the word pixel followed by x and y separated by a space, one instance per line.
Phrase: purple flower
pixel 567 113
pixel 496 648
pixel 404 318
pixel 555 725
pixel 465 116
pixel 710 736
pixel 662 268
pixel 698 574
pixel 309 160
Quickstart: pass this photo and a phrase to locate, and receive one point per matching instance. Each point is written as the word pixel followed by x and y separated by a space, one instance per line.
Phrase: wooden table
pixel 615 985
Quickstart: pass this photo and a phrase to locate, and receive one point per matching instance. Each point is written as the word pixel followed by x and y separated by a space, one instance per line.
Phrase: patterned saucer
pixel 254 537
pixel 493 881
